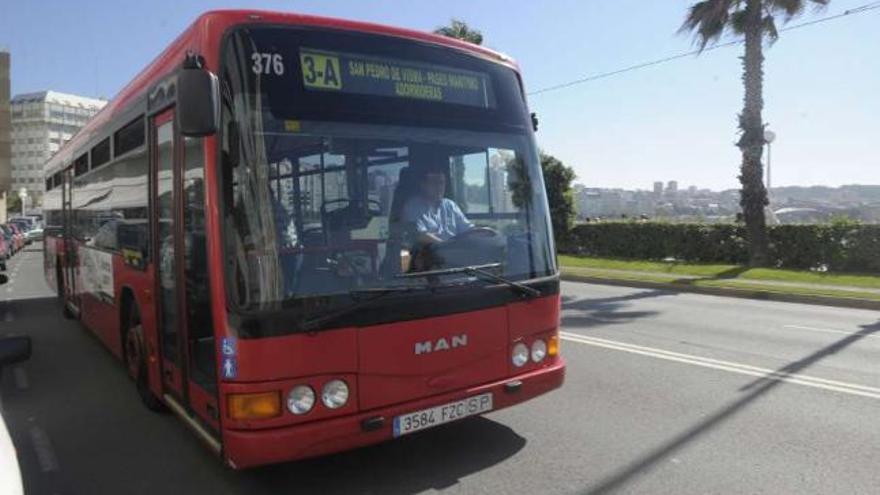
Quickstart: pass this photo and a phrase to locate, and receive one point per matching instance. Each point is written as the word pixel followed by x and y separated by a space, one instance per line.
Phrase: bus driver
pixel 435 217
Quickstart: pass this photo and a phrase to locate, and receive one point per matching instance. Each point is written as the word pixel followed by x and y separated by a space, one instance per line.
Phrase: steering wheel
pixel 476 233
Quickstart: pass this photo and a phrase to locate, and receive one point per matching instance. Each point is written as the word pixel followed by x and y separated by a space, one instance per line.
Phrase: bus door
pixel 70 261
pixel 184 321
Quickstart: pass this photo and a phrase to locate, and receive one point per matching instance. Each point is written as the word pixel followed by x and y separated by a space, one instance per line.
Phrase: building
pixel 5 127
pixel 41 124
pixel 672 187
pixel 596 202
pixel 499 185
pixel 658 188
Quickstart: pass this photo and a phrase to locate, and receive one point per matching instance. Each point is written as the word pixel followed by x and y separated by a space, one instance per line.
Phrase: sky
pixel 673 121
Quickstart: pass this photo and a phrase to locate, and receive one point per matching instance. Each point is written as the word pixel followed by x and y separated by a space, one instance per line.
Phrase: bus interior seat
pixel 404 190
pixel 339 223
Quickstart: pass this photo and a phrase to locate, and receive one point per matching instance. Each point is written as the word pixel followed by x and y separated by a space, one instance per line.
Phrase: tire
pixel 135 353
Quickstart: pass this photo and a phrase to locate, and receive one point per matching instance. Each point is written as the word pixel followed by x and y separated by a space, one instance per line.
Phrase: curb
pixel 762 295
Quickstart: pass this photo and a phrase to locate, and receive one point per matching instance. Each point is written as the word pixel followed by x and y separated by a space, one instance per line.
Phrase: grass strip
pixel 750 286
pixel 723 271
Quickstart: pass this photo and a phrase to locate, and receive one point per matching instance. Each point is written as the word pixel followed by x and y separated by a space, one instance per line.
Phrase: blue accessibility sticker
pixel 229 346
pixel 230 367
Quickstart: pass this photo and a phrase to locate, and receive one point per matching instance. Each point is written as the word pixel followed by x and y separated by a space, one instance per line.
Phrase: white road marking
pixel 828 330
pixel 43 448
pixel 744 369
pixel 21 378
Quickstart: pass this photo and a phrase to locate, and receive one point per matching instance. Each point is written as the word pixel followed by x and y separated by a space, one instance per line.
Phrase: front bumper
pixel 249 448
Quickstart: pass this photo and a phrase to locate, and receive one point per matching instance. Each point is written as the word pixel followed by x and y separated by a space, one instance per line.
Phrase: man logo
pixel 441 344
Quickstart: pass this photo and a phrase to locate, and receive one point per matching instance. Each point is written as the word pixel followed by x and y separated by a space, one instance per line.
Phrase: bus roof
pixel 204 34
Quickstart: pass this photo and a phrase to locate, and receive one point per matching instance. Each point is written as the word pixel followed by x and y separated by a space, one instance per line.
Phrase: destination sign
pixel 379 76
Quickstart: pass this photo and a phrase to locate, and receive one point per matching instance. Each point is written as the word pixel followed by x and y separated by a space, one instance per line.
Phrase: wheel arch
pixel 151 388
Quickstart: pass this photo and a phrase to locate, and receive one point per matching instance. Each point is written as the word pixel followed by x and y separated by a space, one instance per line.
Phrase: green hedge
pixel 838 247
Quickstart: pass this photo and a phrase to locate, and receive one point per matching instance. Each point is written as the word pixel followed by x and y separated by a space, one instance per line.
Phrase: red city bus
pixel 303 235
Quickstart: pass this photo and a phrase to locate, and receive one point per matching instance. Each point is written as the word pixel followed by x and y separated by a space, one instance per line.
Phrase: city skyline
pixel 788 204
pixel 684 186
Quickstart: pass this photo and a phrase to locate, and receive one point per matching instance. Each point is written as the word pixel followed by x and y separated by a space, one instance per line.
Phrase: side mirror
pixel 198 96
pixel 534 121
pixel 14 350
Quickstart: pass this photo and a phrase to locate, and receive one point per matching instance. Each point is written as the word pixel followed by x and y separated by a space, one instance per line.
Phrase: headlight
pixel 335 394
pixel 520 355
pixel 301 399
pixel 539 350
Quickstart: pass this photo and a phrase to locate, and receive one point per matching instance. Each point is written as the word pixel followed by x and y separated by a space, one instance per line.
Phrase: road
pixel 665 393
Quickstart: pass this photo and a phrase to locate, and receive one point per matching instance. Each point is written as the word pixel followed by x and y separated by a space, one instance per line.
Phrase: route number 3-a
pixel 320 71
pixel 268 63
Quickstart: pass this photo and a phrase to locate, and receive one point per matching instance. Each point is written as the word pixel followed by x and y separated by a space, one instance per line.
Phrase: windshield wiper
pixel 477 271
pixel 377 293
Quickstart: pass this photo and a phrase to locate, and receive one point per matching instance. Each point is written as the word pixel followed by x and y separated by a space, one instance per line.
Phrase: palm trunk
pixel 753 197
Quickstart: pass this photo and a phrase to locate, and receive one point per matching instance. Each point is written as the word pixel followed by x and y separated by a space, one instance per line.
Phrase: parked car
pixel 4 252
pixel 35 234
pixel 9 237
pixel 13 349
pixel 27 221
pixel 24 225
pixel 17 236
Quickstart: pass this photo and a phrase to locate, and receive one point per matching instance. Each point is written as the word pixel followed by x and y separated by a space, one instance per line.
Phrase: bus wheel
pixel 136 360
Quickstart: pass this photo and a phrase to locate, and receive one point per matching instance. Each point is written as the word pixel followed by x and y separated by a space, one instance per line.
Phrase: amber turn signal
pixel 254 406
pixel 553 346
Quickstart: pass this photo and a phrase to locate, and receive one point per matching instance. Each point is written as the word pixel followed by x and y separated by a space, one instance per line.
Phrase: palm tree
pixel 755 20
pixel 459 29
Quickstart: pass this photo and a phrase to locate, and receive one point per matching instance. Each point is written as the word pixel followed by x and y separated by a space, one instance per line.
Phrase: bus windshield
pixel 349 186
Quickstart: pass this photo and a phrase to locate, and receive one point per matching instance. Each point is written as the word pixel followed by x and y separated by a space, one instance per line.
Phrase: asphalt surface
pixel 665 393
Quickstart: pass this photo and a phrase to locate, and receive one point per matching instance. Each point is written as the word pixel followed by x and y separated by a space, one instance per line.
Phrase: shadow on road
pixel 434 460
pixel 585 312
pixel 12 309
pixel 755 391
pixel 82 402
pixel 726 274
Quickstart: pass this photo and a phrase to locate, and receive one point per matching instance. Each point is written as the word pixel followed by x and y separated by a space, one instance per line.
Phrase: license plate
pixel 434 416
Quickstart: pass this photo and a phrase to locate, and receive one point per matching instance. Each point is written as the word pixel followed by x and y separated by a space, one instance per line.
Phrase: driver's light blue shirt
pixel 444 220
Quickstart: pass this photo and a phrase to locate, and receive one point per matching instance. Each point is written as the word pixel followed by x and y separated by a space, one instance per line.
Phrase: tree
pixel 560 195
pixel 13 204
pixel 755 21
pixel 459 29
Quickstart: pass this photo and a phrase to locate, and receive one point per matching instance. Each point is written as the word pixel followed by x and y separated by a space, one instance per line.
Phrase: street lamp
pixel 23 194
pixel 769 137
